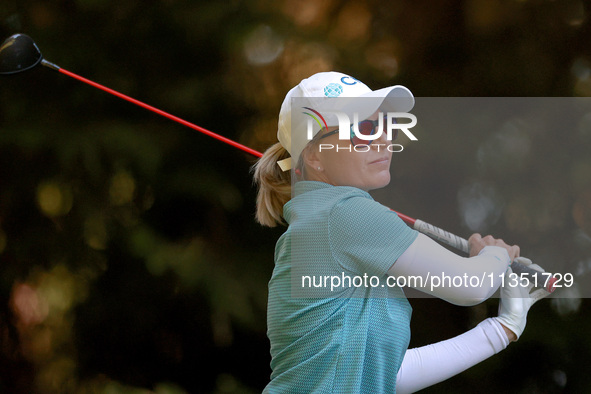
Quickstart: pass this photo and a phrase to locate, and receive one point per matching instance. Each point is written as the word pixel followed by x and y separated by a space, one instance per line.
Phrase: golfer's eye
pixel 366 127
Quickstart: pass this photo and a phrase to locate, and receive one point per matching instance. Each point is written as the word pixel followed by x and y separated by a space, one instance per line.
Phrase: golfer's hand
pixel 477 243
pixel 516 300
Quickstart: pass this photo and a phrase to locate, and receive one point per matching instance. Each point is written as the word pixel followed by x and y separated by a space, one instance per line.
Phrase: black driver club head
pixel 18 53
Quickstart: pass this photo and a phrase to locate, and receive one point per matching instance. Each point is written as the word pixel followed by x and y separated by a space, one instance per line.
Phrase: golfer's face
pixel 366 168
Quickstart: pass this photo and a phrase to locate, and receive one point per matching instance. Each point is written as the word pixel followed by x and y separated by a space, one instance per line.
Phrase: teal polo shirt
pixel 349 338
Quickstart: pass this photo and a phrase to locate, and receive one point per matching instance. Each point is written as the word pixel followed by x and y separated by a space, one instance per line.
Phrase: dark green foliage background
pixel 173 296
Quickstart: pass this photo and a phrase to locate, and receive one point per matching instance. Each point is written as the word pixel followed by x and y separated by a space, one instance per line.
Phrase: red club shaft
pixel 163 113
pixel 407 219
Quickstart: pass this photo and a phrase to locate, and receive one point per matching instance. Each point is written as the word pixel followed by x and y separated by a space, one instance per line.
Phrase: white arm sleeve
pixel 424 366
pixel 431 268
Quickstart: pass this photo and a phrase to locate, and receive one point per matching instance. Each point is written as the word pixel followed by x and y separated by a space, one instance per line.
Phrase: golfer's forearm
pixel 443 274
pixel 431 364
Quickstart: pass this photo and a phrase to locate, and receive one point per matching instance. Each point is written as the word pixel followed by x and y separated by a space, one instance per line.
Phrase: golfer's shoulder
pixel 355 204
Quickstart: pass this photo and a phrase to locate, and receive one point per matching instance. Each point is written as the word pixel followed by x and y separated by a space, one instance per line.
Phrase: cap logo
pixel 346 82
pixel 333 90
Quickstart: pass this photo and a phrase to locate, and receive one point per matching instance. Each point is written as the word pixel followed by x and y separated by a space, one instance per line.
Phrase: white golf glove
pixel 516 299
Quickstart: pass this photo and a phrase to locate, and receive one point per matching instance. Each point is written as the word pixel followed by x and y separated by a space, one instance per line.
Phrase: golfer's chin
pixel 379 180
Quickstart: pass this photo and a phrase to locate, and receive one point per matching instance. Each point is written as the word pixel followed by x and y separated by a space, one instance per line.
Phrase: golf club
pixel 19 53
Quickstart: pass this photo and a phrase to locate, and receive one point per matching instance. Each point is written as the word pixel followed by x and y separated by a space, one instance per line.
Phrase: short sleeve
pixel 367 237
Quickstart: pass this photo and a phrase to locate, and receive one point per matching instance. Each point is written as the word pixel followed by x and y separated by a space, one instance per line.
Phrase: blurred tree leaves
pixel 129 256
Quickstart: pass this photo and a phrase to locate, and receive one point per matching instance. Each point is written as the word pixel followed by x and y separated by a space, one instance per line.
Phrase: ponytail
pixel 274 186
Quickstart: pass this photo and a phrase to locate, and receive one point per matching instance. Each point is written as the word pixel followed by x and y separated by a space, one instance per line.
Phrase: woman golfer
pixel 337 321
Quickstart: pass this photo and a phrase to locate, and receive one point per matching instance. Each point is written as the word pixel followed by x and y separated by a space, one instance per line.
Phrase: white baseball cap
pixel 319 91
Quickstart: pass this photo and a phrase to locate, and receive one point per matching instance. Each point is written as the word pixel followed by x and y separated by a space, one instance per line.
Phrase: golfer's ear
pixel 311 156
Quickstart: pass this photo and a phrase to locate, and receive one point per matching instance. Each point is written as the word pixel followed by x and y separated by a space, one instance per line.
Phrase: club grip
pixel 442 236
pixel 462 244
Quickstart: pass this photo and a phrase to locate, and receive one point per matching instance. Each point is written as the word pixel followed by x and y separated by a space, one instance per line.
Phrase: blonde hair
pixel 274 186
